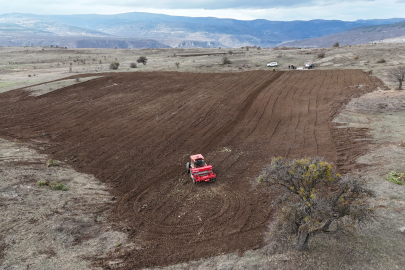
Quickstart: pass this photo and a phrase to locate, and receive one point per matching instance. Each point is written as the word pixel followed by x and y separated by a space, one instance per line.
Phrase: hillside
pixel 173 31
pixel 362 35
pixel 33 30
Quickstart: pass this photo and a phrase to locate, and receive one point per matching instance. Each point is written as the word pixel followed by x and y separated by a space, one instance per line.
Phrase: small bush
pixel 133 65
pixel 230 52
pixel 177 64
pixel 59 186
pixel 356 57
pixel 51 163
pixel 380 61
pixel 321 55
pixel 114 65
pixel 336 44
pixel 43 183
pixel 225 60
pixel 77 79
pixel 396 178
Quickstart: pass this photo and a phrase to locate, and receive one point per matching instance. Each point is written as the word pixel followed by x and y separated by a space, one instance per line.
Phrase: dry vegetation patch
pixel 43 228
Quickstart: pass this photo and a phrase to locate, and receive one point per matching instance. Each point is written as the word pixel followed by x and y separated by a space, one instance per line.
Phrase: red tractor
pixel 199 170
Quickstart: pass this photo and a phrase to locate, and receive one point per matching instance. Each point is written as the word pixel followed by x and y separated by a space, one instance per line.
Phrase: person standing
pixel 274 69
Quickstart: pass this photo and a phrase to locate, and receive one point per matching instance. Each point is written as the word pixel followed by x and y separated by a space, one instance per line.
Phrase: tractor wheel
pixel 188 167
pixel 192 177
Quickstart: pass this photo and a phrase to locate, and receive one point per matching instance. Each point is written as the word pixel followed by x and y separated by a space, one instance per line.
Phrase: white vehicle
pixel 309 64
pixel 272 64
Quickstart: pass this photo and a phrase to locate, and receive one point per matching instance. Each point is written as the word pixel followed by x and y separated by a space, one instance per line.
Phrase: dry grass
pixel 380 246
pixel 47 229
pixel 52 63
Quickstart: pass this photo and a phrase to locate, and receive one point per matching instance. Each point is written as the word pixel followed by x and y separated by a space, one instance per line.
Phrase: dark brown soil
pixel 135 131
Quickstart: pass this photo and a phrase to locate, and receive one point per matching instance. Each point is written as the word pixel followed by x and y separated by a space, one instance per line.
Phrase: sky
pixel 276 10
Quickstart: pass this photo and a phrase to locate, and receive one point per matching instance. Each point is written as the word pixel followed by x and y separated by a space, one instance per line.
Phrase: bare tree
pixel 310 198
pixel 397 74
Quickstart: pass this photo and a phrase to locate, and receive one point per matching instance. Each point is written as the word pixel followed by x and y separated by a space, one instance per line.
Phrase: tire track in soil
pixel 136 135
pixel 233 211
pixel 210 143
pixel 213 139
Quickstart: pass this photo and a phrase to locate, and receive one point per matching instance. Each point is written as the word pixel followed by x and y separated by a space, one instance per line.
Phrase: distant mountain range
pixel 138 29
pixel 368 34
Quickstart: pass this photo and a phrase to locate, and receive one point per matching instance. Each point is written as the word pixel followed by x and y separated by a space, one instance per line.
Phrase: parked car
pixel 272 64
pixel 309 65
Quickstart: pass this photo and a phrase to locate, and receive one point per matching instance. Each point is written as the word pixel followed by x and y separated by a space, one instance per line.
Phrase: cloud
pixel 287 10
pixel 215 4
pixel 344 10
pixel 168 4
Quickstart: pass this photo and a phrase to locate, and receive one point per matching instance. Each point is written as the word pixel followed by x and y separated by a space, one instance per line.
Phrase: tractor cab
pixel 197 161
pixel 199 170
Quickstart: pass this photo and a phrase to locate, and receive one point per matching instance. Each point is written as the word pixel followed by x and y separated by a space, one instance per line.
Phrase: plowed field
pixel 135 131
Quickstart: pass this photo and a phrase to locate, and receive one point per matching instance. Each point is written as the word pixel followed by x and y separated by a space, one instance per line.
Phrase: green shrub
pixel 51 163
pixel 133 65
pixel 59 186
pixel 309 198
pixel 396 178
